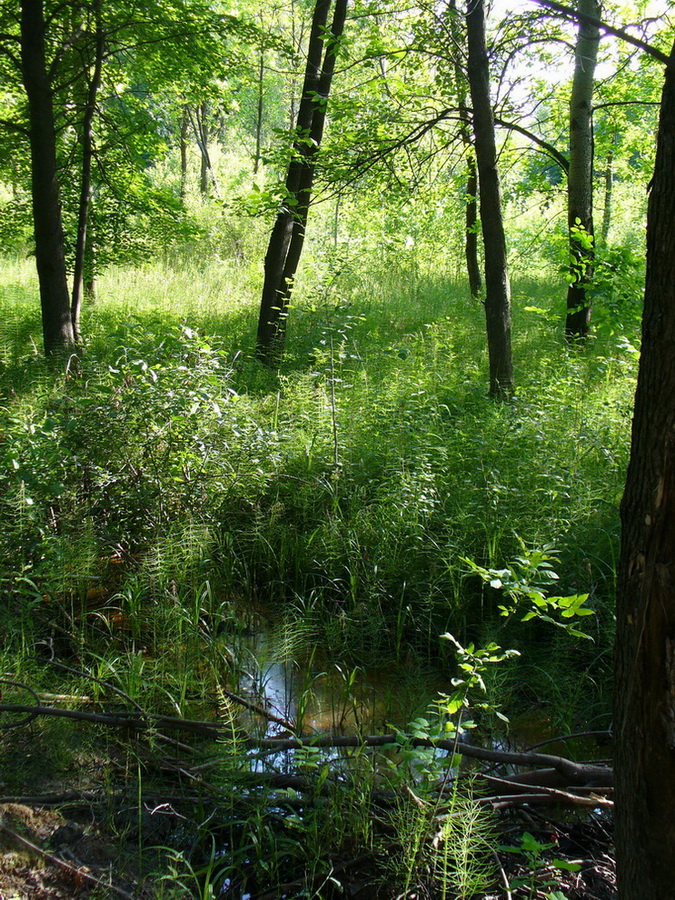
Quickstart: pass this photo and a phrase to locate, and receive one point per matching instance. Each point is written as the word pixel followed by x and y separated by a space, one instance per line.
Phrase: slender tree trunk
pixel 90 269
pixel 645 636
pixel 85 185
pixel 497 287
pixel 288 236
pixel 204 149
pixel 471 201
pixel 201 133
pixel 260 108
pixel 184 127
pixel 57 326
pixel 580 176
pixel 471 219
pixel 609 190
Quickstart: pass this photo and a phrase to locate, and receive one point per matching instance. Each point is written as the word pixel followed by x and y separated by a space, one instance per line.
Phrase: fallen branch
pixel 260 710
pixel 574 774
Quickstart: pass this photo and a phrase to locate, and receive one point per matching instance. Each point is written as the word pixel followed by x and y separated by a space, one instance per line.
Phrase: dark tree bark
pixel 87 139
pixel 580 175
pixel 57 326
pixel 288 235
pixel 645 636
pixel 497 288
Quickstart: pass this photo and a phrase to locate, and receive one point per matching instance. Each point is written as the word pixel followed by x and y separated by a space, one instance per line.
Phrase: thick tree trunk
pixel 85 185
pixel 288 235
pixel 580 176
pixel 645 637
pixel 57 326
pixel 497 288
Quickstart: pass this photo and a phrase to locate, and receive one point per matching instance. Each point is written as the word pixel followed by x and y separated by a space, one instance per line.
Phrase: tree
pixel 288 234
pixel 57 325
pixel 497 287
pixel 645 636
pixel 471 218
pixel 54 59
pixel 580 174
pixel 92 85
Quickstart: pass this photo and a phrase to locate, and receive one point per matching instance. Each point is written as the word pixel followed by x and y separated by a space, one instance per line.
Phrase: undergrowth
pixel 164 482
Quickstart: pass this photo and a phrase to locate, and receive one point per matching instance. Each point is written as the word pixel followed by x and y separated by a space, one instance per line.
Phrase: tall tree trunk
pixel 288 235
pixel 580 175
pixel 85 185
pixel 471 202
pixel 609 190
pixel 57 325
pixel 645 636
pixel 497 288
pixel 203 127
pixel 471 218
pixel 260 106
pixel 184 127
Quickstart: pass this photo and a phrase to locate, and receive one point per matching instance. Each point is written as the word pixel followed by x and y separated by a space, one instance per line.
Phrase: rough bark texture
pixel 497 288
pixel 288 234
pixel 580 175
pixel 57 326
pixel 645 639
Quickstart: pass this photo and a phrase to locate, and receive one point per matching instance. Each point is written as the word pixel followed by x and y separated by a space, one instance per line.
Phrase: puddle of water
pixel 320 696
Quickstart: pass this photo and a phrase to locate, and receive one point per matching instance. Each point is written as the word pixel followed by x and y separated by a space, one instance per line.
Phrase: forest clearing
pixel 337 415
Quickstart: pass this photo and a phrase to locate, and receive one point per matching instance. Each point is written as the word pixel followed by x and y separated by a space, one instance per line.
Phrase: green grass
pixel 167 480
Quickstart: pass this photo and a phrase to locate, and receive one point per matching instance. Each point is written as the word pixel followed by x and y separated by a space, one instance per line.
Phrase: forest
pixel 337 450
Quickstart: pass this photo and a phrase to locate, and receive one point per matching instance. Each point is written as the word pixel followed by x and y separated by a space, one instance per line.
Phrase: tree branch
pixel 556 155
pixel 577 16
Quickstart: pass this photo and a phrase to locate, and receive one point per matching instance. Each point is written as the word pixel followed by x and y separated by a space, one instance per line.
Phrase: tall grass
pixel 161 491
pixel 355 479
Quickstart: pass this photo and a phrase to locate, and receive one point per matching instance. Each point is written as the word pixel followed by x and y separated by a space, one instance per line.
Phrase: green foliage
pixel 526 582
pixel 539 868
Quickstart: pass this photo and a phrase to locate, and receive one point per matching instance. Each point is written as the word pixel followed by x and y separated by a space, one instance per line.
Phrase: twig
pixel 549 798
pixel 260 710
pixel 505 880
pixel 77 873
pixel 555 793
pixel 568 737
pixel 88 677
